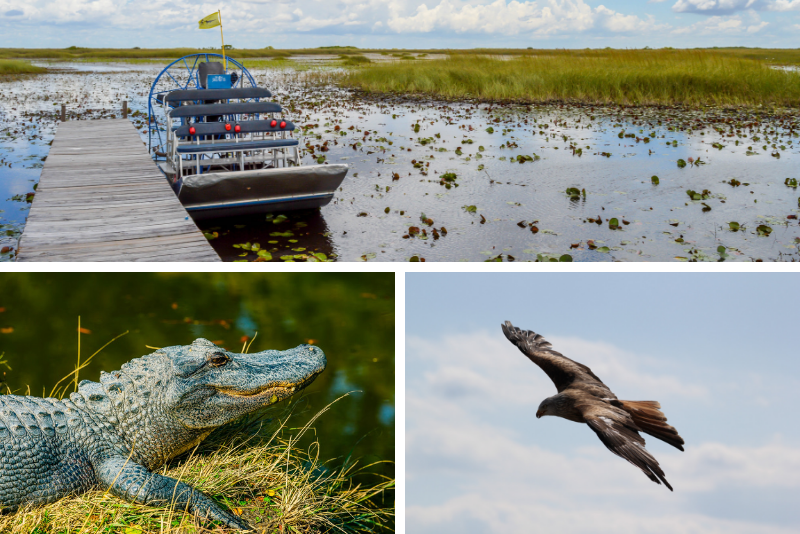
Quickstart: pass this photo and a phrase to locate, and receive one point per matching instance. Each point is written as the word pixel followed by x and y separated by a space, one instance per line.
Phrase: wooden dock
pixel 101 198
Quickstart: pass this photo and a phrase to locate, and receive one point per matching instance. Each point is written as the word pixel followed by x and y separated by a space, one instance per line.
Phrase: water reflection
pixel 395 203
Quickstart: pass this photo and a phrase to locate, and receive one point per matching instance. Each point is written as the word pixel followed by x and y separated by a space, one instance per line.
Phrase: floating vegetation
pixel 446 158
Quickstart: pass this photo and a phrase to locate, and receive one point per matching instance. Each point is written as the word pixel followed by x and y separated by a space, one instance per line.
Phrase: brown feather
pixel 584 398
pixel 651 420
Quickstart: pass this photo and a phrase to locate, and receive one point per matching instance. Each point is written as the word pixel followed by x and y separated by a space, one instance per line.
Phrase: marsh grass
pixel 774 56
pixel 254 467
pixel 354 60
pixel 273 63
pixel 12 66
pixel 672 77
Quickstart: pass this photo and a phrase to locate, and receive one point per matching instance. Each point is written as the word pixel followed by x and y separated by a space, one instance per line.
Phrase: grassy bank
pixel 270 474
pixel 11 66
pixel 619 77
pixel 266 479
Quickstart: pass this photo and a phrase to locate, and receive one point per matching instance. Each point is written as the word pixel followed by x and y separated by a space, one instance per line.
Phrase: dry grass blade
pixel 251 466
pixel 260 475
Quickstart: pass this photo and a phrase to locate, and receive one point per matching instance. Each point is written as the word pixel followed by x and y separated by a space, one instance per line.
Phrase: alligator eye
pixel 217 359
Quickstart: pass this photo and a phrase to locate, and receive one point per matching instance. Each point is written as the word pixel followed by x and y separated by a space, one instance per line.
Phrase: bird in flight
pixel 583 398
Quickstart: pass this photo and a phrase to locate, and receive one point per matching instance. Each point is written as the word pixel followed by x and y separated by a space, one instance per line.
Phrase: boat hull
pixel 229 194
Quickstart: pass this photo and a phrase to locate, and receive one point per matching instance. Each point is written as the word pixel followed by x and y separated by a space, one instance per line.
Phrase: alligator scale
pixel 114 433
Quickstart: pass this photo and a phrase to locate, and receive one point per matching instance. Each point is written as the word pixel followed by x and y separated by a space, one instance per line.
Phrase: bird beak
pixel 539 414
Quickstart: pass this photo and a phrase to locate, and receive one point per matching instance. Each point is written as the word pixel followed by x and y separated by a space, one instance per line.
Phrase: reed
pixel 672 77
pixel 773 56
pixel 18 67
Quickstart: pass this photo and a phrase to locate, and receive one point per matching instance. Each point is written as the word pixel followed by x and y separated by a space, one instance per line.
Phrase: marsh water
pixel 439 181
pixel 349 316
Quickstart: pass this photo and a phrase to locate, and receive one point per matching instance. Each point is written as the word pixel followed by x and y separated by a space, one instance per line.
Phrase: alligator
pixel 113 434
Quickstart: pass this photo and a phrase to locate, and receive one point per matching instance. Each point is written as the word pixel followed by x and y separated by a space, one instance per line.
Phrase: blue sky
pixel 402 23
pixel 717 350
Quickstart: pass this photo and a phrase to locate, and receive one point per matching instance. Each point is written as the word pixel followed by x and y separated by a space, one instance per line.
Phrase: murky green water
pixel 444 182
pixel 350 316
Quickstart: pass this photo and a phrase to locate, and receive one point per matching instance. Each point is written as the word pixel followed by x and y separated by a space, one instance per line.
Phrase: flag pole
pixel 219 13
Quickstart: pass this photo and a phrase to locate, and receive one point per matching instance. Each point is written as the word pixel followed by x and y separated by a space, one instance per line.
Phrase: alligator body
pixel 114 433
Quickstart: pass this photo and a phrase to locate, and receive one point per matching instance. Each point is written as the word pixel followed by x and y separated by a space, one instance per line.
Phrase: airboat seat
pixel 218 128
pixel 205 68
pixel 236 147
pixel 190 95
pixel 224 109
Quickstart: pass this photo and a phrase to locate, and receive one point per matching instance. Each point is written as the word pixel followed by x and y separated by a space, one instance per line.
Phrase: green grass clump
pixel 354 61
pixel 18 67
pixel 674 77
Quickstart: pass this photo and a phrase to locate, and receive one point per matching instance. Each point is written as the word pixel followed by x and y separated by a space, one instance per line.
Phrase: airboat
pixel 225 147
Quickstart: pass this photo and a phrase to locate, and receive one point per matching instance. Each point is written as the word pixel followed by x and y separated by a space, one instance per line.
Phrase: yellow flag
pixel 211 21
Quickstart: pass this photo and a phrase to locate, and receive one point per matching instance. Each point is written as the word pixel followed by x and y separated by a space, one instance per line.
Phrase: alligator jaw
pixel 282 391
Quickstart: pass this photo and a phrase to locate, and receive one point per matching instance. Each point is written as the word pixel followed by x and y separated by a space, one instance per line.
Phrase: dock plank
pixel 101 198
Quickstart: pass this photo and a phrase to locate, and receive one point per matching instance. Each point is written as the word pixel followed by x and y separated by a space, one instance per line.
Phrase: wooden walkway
pixel 101 198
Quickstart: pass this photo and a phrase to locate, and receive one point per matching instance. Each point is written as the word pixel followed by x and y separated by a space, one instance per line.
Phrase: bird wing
pixel 620 435
pixel 561 370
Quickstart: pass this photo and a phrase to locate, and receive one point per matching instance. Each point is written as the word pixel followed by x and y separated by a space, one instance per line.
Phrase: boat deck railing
pixel 207 132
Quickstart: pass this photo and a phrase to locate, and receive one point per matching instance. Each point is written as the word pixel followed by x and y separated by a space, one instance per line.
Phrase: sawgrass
pixel 11 66
pixel 252 467
pixel 776 56
pixel 354 60
pixel 673 77
pixel 275 63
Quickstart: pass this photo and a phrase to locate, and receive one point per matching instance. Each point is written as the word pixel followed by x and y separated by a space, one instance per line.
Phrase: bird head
pixel 543 408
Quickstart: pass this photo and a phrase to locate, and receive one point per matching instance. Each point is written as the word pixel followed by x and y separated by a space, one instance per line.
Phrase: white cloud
pixel 785 5
pixel 712 25
pixel 713 6
pixel 477 460
pixel 477 512
pixel 727 7
pixel 500 16
pixel 378 22
pixel 712 466
pixel 474 365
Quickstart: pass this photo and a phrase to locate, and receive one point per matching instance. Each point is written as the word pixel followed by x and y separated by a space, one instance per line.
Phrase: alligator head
pixel 212 386
pixel 166 402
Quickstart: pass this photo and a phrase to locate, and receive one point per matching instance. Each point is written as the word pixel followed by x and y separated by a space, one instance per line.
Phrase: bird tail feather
pixel 650 420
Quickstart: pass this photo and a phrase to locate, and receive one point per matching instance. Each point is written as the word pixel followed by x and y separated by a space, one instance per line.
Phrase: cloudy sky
pixel 719 351
pixel 402 23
